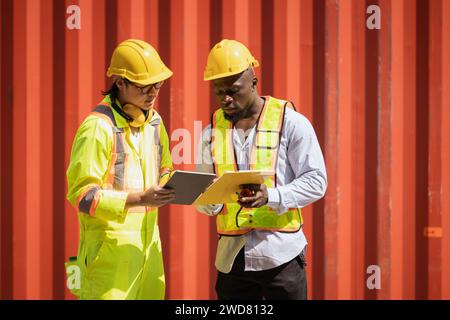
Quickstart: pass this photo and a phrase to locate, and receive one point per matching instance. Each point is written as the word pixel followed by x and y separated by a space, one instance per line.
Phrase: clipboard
pixel 188 185
pixel 224 189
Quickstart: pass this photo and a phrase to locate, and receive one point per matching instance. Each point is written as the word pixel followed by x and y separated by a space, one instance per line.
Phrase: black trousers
pixel 286 282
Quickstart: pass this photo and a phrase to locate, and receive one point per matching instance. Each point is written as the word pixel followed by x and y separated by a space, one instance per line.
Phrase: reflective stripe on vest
pixel 116 176
pixel 263 156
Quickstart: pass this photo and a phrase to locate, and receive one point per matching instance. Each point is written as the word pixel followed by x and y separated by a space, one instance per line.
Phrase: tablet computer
pixel 188 185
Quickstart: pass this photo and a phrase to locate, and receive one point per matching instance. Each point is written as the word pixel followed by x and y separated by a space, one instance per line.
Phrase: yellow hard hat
pixel 227 58
pixel 139 62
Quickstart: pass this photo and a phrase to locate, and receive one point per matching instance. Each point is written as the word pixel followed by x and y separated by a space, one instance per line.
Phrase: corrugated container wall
pixel 379 99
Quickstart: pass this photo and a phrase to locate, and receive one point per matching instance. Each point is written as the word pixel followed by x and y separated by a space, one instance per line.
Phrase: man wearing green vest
pixel 120 157
pixel 261 249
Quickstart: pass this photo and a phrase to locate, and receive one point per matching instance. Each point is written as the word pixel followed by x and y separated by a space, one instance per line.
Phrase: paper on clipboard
pixel 225 188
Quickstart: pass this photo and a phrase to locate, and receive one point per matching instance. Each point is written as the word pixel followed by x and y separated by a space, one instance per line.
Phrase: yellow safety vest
pixel 119 254
pixel 263 156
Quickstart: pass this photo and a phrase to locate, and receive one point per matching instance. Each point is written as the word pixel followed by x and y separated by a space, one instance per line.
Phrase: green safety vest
pixel 119 253
pixel 264 155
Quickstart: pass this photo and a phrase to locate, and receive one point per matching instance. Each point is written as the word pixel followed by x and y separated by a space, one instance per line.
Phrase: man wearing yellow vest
pixel 261 249
pixel 119 157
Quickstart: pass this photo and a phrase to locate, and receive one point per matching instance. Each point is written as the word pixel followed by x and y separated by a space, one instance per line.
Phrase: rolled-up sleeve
pixel 89 161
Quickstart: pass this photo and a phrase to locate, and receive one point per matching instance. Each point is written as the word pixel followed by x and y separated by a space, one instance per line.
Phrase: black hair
pixel 113 91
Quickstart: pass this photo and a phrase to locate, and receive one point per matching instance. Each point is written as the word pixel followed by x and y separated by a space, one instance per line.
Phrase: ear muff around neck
pixel 136 113
pixel 135 116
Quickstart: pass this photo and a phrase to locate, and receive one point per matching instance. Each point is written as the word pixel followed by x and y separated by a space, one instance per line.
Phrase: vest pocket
pixel 267 139
pixel 115 270
pixel 98 269
pixel 93 251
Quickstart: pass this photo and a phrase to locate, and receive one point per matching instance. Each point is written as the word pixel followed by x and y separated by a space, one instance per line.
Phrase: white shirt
pixel 301 180
pixel 135 140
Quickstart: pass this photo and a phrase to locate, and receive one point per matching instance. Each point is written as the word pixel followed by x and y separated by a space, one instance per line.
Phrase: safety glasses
pixel 147 89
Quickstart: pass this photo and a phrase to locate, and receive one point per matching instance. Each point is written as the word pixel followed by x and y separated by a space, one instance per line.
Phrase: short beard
pixel 235 117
